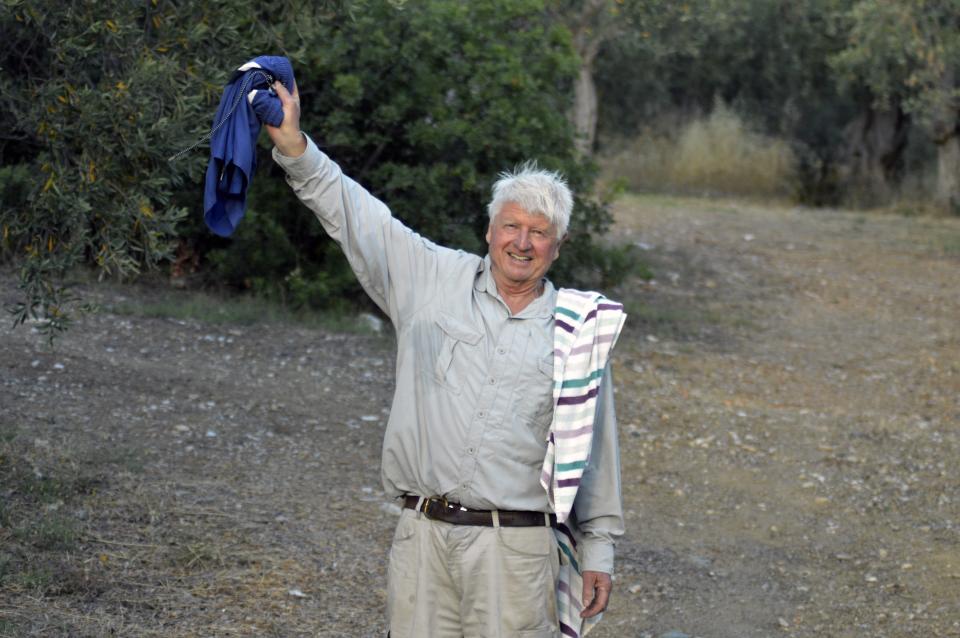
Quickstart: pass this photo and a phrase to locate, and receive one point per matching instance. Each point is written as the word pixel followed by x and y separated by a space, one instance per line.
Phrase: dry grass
pixel 718 154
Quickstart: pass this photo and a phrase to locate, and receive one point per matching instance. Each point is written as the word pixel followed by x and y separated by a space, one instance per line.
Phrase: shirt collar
pixel 541 307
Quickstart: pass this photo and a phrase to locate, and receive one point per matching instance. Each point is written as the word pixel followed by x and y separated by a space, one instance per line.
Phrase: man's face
pixel 522 246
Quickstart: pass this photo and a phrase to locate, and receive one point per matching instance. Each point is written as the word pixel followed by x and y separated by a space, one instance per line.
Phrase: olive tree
pixel 909 53
pixel 95 97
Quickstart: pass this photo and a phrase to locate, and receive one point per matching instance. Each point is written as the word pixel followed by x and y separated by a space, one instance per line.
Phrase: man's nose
pixel 523 240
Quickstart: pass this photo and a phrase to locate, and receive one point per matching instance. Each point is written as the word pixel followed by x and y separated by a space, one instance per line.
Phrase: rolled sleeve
pixel 596 554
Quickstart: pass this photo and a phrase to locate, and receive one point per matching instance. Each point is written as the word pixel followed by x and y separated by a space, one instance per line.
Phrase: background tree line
pixel 864 93
pixel 424 102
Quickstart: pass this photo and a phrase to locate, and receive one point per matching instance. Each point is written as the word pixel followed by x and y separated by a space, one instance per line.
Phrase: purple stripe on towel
pixel 572 434
pixel 579 399
pixel 564 326
pixel 606 338
pixel 568 482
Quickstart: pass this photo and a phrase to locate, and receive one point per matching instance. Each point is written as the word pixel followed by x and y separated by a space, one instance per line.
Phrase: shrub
pixel 425 106
pixel 424 103
pixel 94 95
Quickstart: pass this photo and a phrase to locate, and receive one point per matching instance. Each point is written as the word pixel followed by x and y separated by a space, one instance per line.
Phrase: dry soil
pixel 787 391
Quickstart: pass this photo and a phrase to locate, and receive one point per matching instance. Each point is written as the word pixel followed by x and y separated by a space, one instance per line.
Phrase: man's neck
pixel 518 297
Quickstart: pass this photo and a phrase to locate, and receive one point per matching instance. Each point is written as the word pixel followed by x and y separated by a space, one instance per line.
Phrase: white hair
pixel 537 191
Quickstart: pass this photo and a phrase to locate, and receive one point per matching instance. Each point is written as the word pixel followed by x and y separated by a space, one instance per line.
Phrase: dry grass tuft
pixel 719 154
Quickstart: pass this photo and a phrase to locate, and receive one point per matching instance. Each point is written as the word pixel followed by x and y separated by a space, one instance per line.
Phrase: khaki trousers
pixel 462 581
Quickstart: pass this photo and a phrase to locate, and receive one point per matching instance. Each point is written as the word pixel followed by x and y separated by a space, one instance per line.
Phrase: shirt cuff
pixel 596 555
pixel 302 167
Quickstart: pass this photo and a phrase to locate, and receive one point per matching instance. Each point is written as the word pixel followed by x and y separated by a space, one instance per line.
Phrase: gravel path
pixel 788 396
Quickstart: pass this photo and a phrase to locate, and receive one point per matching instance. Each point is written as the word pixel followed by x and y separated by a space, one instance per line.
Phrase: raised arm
pixel 396 267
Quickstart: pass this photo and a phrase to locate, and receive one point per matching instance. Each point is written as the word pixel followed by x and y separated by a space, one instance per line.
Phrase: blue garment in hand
pixel 233 146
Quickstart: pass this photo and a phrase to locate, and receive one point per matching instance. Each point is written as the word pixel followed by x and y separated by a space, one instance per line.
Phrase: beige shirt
pixel 473 400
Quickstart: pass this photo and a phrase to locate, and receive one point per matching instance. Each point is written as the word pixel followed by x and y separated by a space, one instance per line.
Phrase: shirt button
pixel 481 414
pixel 471 450
pixel 492 381
pixel 501 351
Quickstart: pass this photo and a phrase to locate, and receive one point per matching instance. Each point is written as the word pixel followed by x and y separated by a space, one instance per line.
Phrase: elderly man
pixel 474 554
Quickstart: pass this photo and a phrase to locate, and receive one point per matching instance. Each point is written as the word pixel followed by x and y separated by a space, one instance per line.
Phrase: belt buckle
pixel 430 501
pixel 446 505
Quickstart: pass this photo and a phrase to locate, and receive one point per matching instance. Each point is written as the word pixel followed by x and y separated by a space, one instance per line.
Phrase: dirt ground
pixel 789 403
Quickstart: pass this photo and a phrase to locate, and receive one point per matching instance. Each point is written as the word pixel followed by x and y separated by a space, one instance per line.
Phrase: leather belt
pixel 439 509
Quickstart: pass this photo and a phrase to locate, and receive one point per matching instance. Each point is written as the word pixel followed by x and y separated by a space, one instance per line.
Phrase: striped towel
pixel 586 327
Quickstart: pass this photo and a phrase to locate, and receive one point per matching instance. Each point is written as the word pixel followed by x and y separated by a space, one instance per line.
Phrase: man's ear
pixel 556 251
pixel 489 232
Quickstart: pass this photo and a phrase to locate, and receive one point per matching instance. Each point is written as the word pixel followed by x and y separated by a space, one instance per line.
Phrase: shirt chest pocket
pixel 532 410
pixel 545 405
pixel 533 393
pixel 458 357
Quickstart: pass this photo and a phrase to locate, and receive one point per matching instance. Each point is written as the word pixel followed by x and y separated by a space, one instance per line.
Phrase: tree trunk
pixel 948 172
pixel 585 108
pixel 593 25
pixel 945 126
pixel 874 149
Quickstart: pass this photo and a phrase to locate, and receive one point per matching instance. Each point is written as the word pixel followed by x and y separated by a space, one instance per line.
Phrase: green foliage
pixel 424 106
pixel 908 50
pixel 280 252
pixel 819 73
pixel 768 60
pixel 424 103
pixel 605 268
pixel 664 43
pixel 908 54
pixel 430 103
pixel 95 92
pixel 99 95
pixel 260 251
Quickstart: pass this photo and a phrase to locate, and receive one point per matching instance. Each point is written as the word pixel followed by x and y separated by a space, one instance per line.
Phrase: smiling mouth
pixel 520 258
